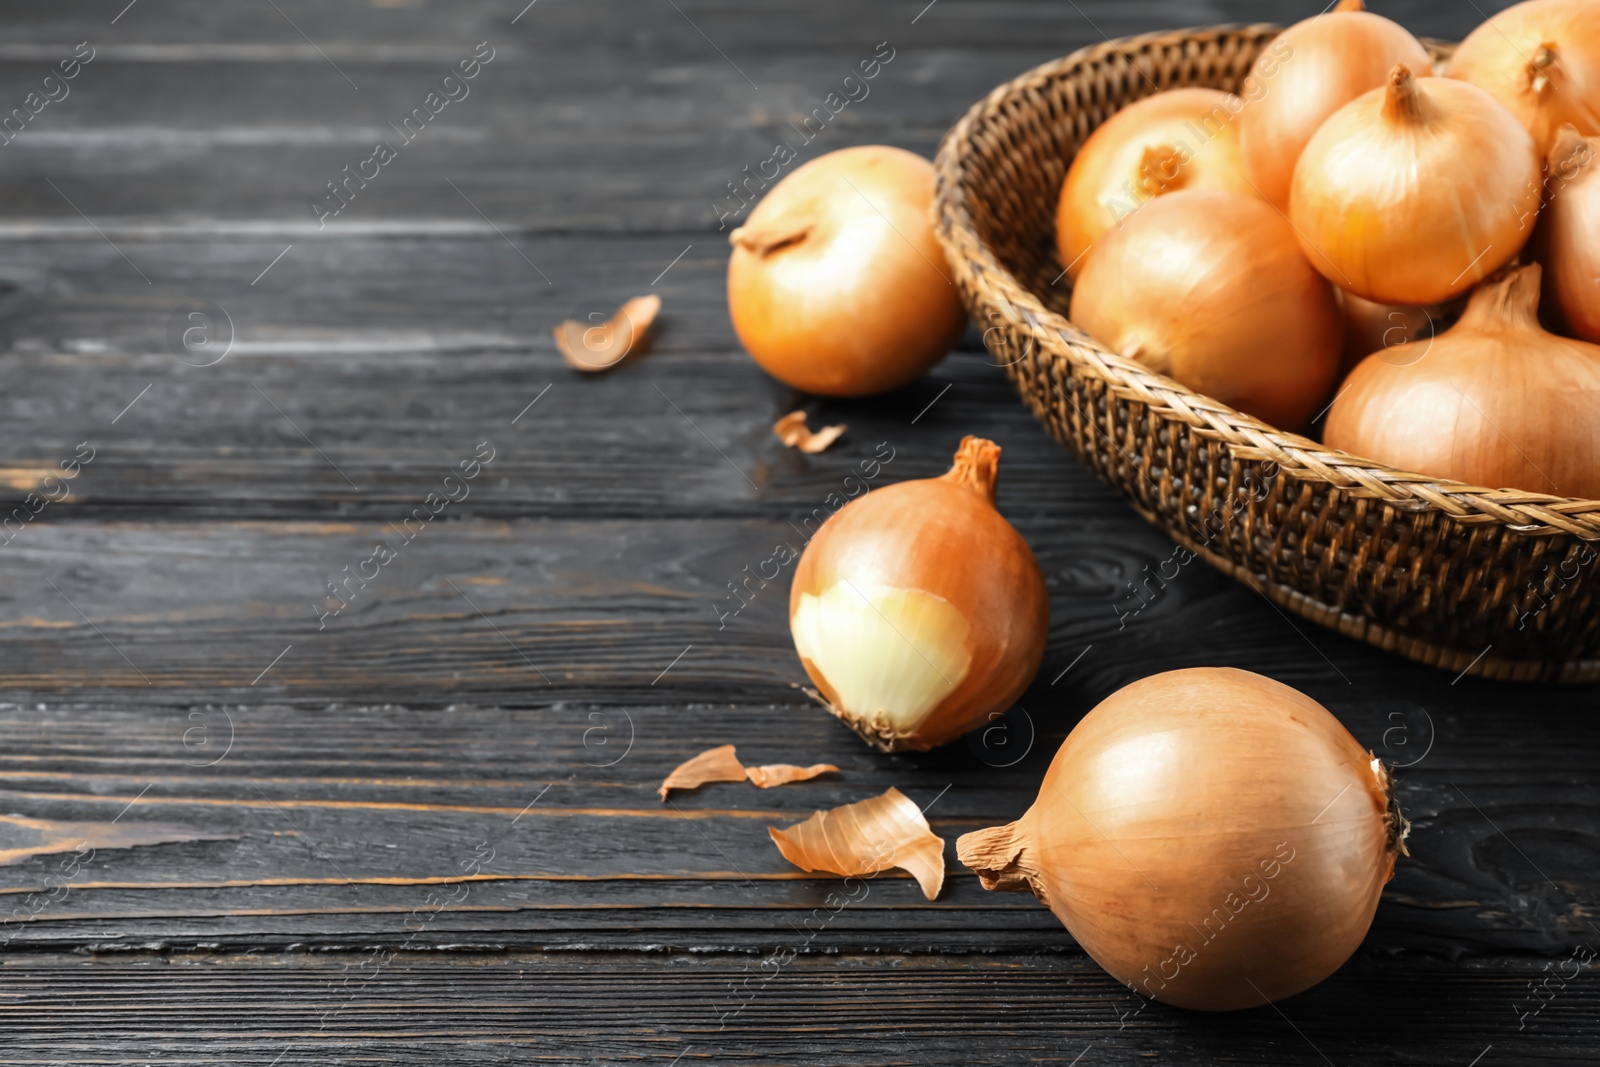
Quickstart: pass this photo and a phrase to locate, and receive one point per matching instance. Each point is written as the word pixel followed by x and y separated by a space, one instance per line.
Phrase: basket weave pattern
pixel 1502 583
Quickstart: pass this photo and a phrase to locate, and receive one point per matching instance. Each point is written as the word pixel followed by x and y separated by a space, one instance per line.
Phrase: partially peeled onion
pixel 917 610
pixel 1212 838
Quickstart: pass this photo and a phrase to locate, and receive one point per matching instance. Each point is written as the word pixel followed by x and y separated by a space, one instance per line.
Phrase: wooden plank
pixel 539 827
pixel 849 1010
pixel 528 612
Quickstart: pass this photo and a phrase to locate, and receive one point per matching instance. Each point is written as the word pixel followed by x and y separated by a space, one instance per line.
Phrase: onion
pixel 917 610
pixel 1541 60
pixel 836 284
pixel 1213 838
pixel 1209 287
pixel 1413 192
pixel 1311 70
pixel 1498 402
pixel 1567 240
pixel 1389 328
pixel 1180 139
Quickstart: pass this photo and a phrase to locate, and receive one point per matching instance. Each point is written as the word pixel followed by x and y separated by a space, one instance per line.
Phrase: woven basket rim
pixel 1299 457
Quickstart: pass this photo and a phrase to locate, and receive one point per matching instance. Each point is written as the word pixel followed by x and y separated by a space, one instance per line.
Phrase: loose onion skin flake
pixel 722 764
pixel 1308 72
pixel 867 837
pixel 1212 838
pixel 1567 241
pixel 1541 60
pixel 837 285
pixel 1412 193
pixel 1497 401
pixel 591 347
pixel 792 431
pixel 1210 288
pixel 917 609
pixel 1179 139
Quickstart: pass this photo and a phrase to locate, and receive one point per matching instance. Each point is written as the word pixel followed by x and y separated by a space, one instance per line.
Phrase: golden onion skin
pixel 1496 401
pixel 1304 75
pixel 1567 240
pixel 1541 60
pixel 1386 205
pixel 837 285
pixel 1212 838
pixel 941 541
pixel 1179 139
pixel 1210 288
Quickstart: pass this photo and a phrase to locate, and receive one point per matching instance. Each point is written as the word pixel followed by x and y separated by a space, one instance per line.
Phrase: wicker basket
pixel 1494 582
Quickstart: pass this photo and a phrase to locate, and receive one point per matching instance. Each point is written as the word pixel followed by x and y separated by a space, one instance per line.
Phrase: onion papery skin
pixel 1567 241
pixel 1212 838
pixel 1497 402
pixel 1307 73
pixel 1401 332
pixel 1210 288
pixel 1179 139
pixel 1541 60
pixel 918 611
pixel 1387 205
pixel 837 285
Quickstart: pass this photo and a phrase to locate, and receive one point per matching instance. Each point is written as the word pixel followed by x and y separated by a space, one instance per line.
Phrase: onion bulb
pixel 1398 331
pixel 1212 838
pixel 1180 139
pixel 1541 60
pixel 1498 402
pixel 1210 288
pixel 1308 72
pixel 836 284
pixel 1413 192
pixel 1567 240
pixel 917 610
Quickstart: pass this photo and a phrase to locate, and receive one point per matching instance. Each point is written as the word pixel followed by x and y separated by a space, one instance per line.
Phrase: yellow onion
pixel 917 610
pixel 1401 332
pixel 1308 72
pixel 1212 838
pixel 1541 60
pixel 1180 139
pixel 1498 402
pixel 1210 288
pixel 1567 240
pixel 836 284
pixel 1413 192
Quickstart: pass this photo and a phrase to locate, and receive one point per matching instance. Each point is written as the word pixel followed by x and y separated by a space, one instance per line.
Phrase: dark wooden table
pixel 242 828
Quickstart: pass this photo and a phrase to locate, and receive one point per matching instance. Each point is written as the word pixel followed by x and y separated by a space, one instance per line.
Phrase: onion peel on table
pixel 589 348
pixel 792 431
pixel 722 764
pixel 866 837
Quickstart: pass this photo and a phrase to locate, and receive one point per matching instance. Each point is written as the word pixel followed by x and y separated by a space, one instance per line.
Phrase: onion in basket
pixel 1210 288
pixel 1308 72
pixel 1180 139
pixel 1567 241
pixel 1498 402
pixel 917 610
pixel 1541 59
pixel 1415 191
pixel 836 284
pixel 1213 838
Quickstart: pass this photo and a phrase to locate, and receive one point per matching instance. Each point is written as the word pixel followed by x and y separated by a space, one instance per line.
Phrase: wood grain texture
pixel 848 1010
pixel 428 822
